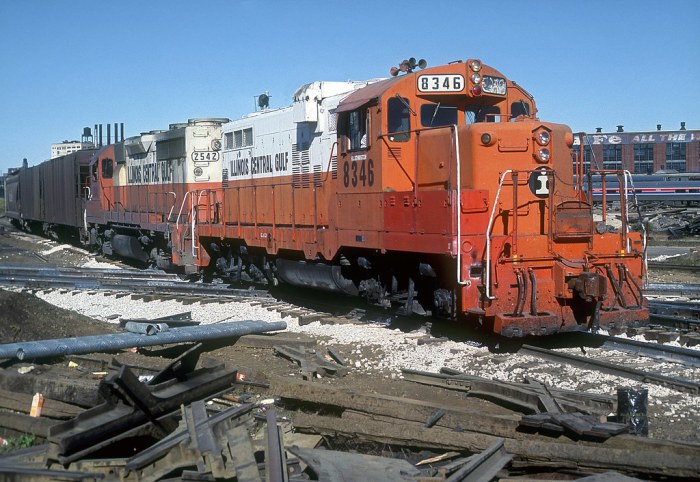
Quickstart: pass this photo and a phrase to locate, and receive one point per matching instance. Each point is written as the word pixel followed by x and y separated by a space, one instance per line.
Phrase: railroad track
pixel 671 291
pixel 673 267
pixel 616 369
pixel 137 281
pixel 678 315
pixel 668 353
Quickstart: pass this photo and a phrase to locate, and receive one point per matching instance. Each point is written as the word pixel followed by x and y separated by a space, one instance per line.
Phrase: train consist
pixel 437 190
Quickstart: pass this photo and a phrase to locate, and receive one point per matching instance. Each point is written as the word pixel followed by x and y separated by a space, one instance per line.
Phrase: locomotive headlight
pixel 475 65
pixel 542 138
pixel 543 155
pixel 476 78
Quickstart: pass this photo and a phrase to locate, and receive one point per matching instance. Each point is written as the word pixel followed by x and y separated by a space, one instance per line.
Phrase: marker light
pixel 476 90
pixel 542 138
pixel 475 65
pixel 486 138
pixel 476 78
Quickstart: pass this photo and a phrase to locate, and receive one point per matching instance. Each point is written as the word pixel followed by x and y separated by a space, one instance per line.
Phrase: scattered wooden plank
pixel 21 402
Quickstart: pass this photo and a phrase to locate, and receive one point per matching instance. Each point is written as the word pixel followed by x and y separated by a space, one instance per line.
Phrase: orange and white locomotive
pixel 437 190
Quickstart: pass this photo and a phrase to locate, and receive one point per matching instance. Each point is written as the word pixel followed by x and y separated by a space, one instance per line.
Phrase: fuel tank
pixel 315 275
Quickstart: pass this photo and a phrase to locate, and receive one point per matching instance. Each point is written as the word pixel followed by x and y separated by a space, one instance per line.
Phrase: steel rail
pixel 625 372
pixel 47 278
pixel 673 267
pixel 275 460
pixel 8 270
pixel 675 308
pixel 668 353
pixel 675 289
pixel 675 322
pixel 679 315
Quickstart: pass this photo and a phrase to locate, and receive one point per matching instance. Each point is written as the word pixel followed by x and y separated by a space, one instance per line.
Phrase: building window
pixel 586 157
pixel 675 156
pixel 612 156
pixel 644 158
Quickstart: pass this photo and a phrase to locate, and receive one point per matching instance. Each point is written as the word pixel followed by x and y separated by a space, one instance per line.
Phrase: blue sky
pixel 72 63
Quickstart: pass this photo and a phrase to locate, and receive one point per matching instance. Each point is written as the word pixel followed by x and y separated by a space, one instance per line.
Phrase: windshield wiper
pixel 432 119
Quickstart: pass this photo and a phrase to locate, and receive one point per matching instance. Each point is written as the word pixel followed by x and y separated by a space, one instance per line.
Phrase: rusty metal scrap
pixel 310 362
pixel 133 408
pixel 274 451
pixel 576 425
pixel 333 465
pixel 483 466
pixel 218 445
pixel 527 398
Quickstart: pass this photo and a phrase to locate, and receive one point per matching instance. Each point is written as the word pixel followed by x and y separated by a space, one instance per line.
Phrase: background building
pixel 641 152
pixel 66 147
pixel 86 142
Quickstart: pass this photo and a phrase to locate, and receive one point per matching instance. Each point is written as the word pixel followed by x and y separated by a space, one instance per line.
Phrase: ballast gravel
pixel 377 350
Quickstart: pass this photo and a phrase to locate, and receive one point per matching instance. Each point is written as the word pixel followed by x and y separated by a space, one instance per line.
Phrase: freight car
pixel 437 190
pixel 50 198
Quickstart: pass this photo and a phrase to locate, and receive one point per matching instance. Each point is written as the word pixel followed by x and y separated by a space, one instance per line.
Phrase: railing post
pixel 488 235
pixel 514 177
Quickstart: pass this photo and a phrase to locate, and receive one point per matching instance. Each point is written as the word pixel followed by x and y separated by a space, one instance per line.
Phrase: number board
pixel 205 156
pixel 440 83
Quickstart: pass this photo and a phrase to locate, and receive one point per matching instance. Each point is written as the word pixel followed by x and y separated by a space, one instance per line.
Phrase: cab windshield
pixel 437 115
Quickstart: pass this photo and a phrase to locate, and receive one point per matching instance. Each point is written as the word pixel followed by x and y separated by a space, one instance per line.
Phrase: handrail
pixel 330 160
pixel 458 203
pixel 645 261
pixel 488 235
pixel 173 206
pixel 623 191
pixel 179 214
pixel 195 211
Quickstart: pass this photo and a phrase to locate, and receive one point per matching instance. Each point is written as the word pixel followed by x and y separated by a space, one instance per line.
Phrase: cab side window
pixel 357 129
pixel 354 126
pixel 398 119
pixel 107 168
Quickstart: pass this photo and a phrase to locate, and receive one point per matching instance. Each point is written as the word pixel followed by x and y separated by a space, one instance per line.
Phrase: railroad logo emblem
pixel 539 182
